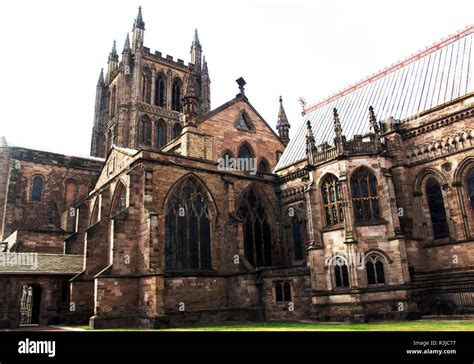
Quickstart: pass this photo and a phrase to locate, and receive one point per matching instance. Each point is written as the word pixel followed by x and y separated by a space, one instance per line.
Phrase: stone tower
pixel 139 101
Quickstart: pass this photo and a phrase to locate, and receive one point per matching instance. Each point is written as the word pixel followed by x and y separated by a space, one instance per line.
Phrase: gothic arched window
pixel 177 129
pixel 188 227
pixel 160 134
pixel 263 166
pixel 37 189
pixel 176 95
pixel 245 157
pixel 341 275
pixel 365 196
pixel 375 270
pixel 160 90
pixel 297 237
pixel 437 210
pixel 470 187
pixel 146 87
pixel 332 200
pixel 145 131
pixel 119 202
pixel 257 234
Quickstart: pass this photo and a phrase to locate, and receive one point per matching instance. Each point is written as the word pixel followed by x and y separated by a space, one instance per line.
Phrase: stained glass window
pixel 332 200
pixel 365 198
pixel 257 234
pixel 188 228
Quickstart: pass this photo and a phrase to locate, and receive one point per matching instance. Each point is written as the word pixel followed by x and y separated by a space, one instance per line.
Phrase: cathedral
pixel 186 214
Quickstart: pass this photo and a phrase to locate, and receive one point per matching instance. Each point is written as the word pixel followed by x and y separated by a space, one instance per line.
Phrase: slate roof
pixel 432 77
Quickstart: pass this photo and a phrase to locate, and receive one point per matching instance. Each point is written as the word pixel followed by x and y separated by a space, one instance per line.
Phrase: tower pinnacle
pixel 139 23
pixel 283 124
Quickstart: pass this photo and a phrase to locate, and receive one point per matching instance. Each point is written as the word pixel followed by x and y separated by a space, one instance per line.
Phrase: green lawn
pixel 300 326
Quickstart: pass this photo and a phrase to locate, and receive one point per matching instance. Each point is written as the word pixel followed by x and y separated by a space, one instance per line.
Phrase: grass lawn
pixel 421 325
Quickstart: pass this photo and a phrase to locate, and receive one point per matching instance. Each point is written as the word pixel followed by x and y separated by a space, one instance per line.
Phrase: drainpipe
pixel 261 297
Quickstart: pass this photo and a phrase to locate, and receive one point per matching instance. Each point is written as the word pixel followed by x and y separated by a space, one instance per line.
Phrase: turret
pixel 205 88
pixel 97 141
pixel 138 31
pixel 190 103
pixel 196 53
pixel 283 126
pixel 113 61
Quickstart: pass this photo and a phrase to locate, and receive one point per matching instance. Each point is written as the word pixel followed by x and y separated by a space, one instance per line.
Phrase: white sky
pixel 52 52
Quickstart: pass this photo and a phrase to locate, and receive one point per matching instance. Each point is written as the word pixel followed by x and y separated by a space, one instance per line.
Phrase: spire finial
pixel 339 139
pixel 196 36
pixel 241 82
pixel 101 77
pixel 337 122
pixel 311 149
pixel 126 45
pixel 283 124
pixel 373 120
pixel 139 23
pixel 114 48
pixel 113 56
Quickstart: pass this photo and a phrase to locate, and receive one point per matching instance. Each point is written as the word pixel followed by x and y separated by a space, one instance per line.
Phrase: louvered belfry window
pixel 257 233
pixel 188 228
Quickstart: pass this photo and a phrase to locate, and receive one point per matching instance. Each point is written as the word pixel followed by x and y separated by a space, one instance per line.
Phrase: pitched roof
pixel 438 74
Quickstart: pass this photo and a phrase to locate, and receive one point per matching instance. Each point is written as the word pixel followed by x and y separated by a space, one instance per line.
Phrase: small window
pixel 282 291
pixel 243 123
pixel 263 166
pixel 37 189
pixel 375 270
pixel 341 274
